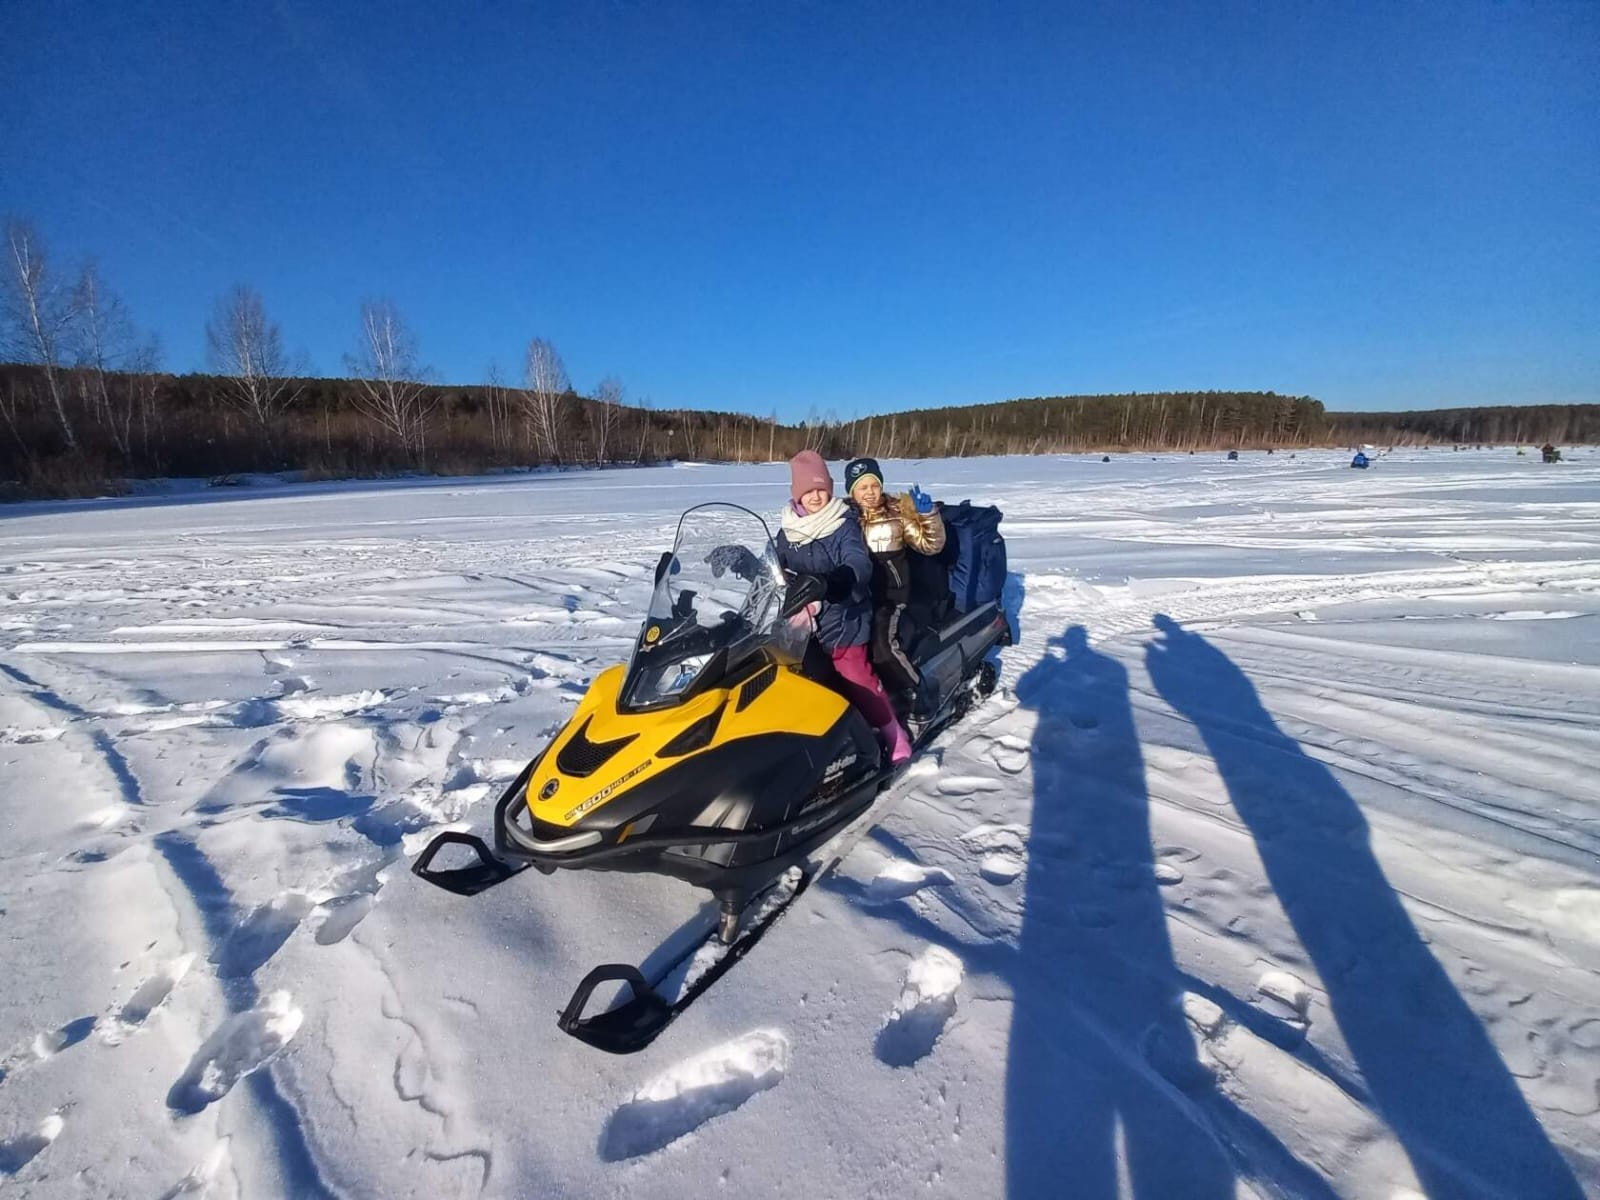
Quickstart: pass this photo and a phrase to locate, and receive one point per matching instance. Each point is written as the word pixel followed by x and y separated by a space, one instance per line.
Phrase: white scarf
pixel 813 526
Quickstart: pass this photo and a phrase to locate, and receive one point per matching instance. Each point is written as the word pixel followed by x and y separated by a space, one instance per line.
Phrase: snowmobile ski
pixel 633 1025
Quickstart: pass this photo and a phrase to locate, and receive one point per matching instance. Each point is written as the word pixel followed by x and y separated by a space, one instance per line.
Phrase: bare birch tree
pixel 103 342
pixel 142 382
pixel 543 396
pixel 389 380
pixel 604 414
pixel 499 409
pixel 247 350
pixel 37 313
pixel 643 407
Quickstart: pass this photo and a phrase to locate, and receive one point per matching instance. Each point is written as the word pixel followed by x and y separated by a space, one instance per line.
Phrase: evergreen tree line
pixel 84 405
pixel 1533 425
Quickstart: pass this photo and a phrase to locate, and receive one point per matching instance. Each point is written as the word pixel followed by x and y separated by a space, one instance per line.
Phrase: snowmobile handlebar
pixel 803 590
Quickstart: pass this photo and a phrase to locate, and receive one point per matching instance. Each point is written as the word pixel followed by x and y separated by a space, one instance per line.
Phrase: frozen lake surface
pixel 1271 870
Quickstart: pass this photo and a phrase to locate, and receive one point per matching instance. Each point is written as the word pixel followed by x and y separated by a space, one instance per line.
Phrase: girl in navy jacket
pixel 822 537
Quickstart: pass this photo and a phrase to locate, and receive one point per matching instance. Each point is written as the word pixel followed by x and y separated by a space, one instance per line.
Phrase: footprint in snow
pixel 1010 753
pixel 1004 850
pixel 344 913
pixel 1286 997
pixel 927 1002
pixel 686 1096
pixel 968 785
pixel 900 879
pixel 198 1180
pixel 18 1152
pixel 244 1043
pixel 1001 868
pixel 1131 876
pixel 147 997
pixel 31 737
pixel 47 1045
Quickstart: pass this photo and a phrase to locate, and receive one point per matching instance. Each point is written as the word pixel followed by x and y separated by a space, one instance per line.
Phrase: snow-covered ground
pixel 1271 870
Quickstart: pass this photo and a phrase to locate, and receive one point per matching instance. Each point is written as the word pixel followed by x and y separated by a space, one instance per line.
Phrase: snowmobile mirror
pixel 803 589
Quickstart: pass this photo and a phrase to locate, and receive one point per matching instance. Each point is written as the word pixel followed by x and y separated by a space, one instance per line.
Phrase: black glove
pixel 841 582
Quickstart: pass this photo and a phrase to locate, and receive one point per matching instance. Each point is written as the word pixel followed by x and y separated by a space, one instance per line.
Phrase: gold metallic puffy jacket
pixel 896 524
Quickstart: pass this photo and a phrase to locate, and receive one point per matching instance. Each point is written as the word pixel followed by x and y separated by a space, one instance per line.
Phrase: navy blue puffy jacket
pixel 848 622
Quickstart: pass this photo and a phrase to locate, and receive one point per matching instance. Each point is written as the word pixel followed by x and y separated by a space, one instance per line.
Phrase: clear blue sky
pixel 846 207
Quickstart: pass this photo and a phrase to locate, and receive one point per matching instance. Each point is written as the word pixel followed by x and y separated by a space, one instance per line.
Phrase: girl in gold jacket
pixel 891 525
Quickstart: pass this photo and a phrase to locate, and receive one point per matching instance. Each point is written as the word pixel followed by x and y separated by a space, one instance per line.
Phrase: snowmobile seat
pixel 946 655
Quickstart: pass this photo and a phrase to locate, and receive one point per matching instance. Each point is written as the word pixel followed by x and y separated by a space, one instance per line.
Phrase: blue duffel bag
pixel 975 553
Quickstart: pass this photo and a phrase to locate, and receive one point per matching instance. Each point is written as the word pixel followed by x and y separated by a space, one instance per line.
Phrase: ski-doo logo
pixel 606 792
pixel 549 789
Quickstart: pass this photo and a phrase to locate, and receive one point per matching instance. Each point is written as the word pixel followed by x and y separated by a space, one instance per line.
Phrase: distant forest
pixel 85 406
pixel 1535 424
pixel 143 424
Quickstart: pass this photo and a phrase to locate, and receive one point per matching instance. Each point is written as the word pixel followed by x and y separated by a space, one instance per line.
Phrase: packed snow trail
pixel 1280 839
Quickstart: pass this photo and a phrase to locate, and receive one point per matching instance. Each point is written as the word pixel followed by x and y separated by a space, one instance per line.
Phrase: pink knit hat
pixel 807 472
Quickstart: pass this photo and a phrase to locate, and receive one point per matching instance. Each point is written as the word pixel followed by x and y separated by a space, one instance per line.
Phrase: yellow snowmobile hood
pixel 601 751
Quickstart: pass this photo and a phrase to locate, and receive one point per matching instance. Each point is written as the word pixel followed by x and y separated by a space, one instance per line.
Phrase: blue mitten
pixel 921 500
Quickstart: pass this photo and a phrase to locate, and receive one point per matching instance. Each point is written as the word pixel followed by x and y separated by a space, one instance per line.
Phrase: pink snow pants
pixel 860 685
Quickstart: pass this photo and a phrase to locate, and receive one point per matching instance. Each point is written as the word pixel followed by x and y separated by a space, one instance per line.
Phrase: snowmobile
pixel 717 754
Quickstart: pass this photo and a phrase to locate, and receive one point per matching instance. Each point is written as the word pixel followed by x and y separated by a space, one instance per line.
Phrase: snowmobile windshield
pixel 717 601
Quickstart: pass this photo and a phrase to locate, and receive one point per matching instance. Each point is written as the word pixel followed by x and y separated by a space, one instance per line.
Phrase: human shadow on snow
pixel 1102 1078
pixel 1430 1068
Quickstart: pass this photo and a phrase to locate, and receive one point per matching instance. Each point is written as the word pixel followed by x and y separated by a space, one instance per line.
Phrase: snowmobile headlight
pixel 668 680
pixel 683 676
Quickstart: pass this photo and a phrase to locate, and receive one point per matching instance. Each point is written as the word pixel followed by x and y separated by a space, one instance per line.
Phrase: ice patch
pixel 683 1098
